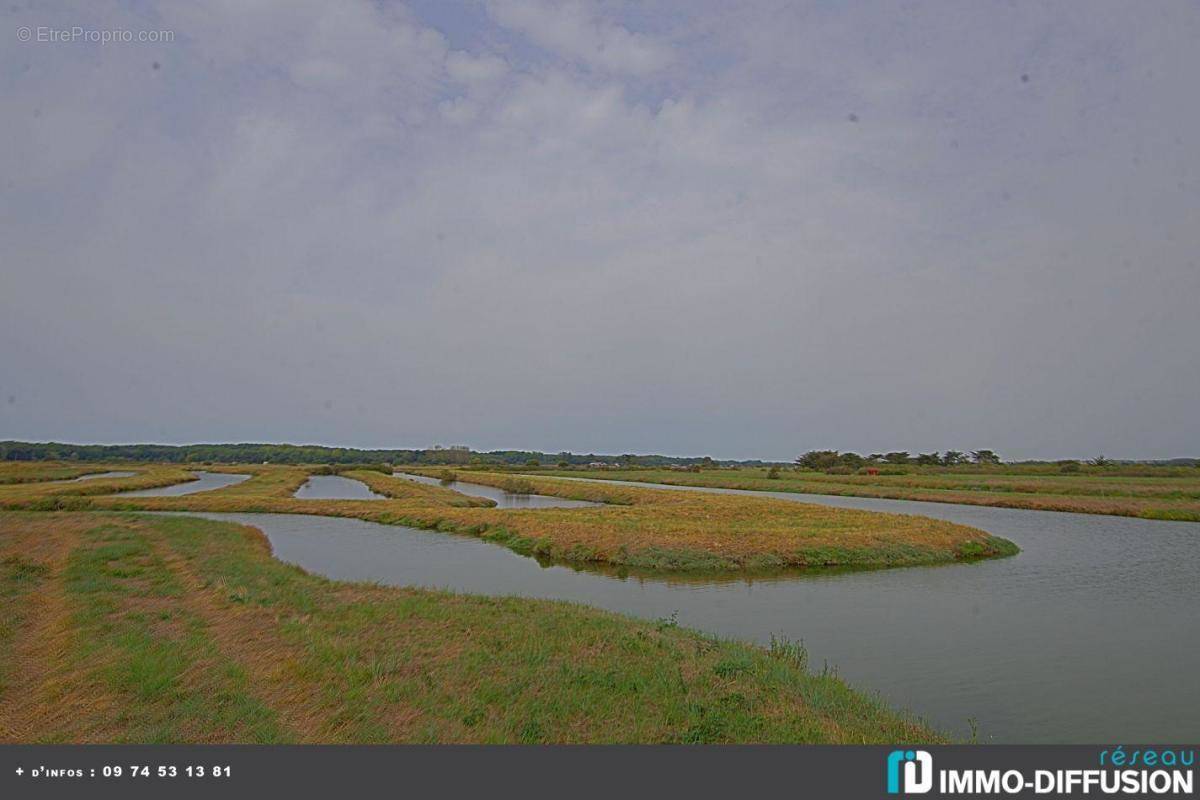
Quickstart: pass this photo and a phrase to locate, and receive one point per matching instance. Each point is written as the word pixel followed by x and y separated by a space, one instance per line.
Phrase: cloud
pixel 649 234
pixel 577 32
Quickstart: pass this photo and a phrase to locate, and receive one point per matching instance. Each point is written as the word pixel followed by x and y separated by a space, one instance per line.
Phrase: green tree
pixel 818 459
pixel 852 460
pixel 985 457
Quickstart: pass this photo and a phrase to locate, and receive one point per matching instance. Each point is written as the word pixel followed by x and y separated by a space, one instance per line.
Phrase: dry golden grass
pixel 690 530
pixel 32 471
pixel 1174 495
pixel 146 476
pixel 638 528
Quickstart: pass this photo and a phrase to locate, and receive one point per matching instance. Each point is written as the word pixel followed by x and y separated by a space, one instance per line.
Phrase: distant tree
pixel 533 462
pixel 818 459
pixel 897 457
pixel 984 457
pixel 564 464
pixel 875 457
pixel 929 459
pixel 851 460
pixel 1100 461
pixel 953 457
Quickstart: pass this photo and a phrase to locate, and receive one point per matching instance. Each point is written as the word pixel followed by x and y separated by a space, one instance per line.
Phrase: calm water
pixel 96 476
pixel 503 499
pixel 205 481
pixel 335 487
pixel 1091 634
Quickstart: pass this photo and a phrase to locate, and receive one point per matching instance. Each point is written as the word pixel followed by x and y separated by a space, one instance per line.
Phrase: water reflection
pixel 97 476
pixel 335 487
pixel 1091 634
pixel 205 482
pixel 503 499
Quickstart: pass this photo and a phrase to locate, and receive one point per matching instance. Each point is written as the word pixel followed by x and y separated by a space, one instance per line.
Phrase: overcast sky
pixel 743 230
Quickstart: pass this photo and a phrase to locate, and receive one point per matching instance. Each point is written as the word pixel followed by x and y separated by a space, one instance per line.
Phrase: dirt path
pixel 249 637
pixel 42 694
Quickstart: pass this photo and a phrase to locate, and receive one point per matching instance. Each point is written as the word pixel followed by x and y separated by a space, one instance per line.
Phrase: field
pixel 1146 492
pixel 119 627
pixel 635 528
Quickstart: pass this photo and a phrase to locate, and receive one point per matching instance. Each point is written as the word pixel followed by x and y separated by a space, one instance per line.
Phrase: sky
pixel 742 230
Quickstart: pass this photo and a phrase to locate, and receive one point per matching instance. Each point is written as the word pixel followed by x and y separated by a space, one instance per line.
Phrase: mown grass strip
pixel 425 666
pixel 20 577
pixel 132 627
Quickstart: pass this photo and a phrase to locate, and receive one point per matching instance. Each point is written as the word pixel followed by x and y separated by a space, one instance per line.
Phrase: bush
pixel 773 473
pixel 1069 466
pixel 517 486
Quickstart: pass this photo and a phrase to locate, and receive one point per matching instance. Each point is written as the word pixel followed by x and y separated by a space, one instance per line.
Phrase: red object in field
pixel 872 471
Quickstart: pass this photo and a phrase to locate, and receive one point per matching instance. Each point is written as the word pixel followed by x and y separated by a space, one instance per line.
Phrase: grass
pixel 689 531
pixel 1149 493
pixel 634 528
pixel 27 486
pixel 173 629
pixel 32 472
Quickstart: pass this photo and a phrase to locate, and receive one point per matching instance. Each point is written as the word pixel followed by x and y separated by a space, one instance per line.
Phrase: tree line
pixel 829 459
pixel 258 453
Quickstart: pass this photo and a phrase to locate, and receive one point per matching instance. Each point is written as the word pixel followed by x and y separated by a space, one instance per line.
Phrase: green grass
pixel 631 528
pixel 188 630
pixel 138 640
pixel 1147 492
pixel 19 577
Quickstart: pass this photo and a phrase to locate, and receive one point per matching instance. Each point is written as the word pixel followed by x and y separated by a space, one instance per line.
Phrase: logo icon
pixel 918 772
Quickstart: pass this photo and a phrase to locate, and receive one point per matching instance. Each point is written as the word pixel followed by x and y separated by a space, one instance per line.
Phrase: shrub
pixel 517 486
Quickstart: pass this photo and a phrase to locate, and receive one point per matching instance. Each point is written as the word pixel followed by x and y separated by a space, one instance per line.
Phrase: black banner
pixel 228 771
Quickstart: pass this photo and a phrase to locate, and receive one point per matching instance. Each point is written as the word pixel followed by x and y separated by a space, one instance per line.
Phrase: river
pixel 1091 634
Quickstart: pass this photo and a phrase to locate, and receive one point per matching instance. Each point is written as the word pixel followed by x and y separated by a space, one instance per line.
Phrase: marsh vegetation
pixel 125 628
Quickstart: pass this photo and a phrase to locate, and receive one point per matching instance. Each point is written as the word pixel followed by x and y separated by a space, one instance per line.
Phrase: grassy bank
pixel 1173 495
pixel 633 528
pixel 127 628
pixel 29 484
pixel 32 472
pixel 689 531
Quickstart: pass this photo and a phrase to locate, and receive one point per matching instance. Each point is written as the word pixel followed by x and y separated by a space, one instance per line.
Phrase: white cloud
pixel 467 68
pixel 576 31
pixel 337 206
